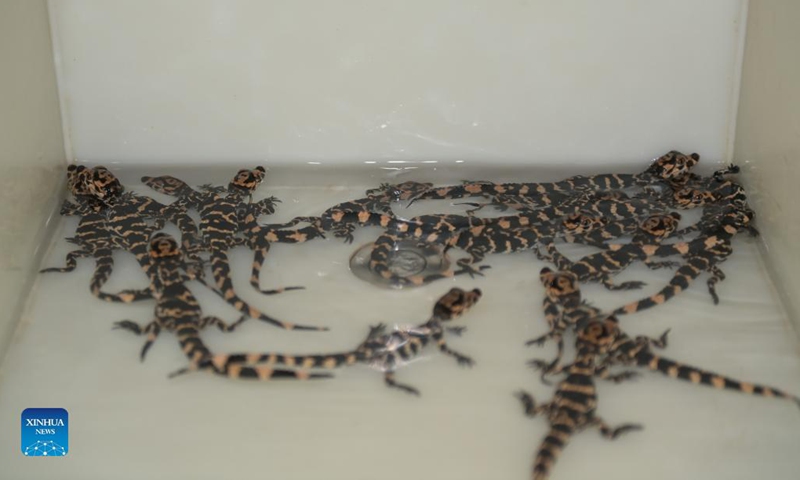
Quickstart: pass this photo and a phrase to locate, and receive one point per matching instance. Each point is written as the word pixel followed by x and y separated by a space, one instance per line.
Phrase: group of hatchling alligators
pixel 627 218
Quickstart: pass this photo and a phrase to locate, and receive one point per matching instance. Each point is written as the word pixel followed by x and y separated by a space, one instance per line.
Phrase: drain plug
pixel 408 258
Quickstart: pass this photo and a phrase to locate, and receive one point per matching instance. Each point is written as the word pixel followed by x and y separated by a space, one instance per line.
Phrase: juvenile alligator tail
pixel 333 360
pixel 673 369
pixel 561 262
pixel 260 235
pixel 190 239
pixel 263 373
pixel 222 275
pixel 191 344
pixel 534 191
pixel 260 373
pixel 103 269
pixel 332 218
pixel 300 235
pixel 104 266
pixel 261 241
pixel 531 192
pixel 681 281
pixel 550 449
pixel 455 192
pixel 255 274
pixel 201 359
pixel 71 262
pixel 549 213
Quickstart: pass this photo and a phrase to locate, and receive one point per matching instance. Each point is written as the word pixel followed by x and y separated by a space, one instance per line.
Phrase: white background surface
pixel 127 420
pixel 574 83
pixel 768 136
pixel 31 150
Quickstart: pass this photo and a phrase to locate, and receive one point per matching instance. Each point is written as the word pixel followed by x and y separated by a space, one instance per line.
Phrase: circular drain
pixel 405 263
pixel 406 260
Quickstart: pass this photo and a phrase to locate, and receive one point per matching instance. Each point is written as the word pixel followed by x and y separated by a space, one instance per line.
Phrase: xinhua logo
pixel 45 432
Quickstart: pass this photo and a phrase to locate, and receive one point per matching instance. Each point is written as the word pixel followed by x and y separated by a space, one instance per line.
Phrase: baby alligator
pixel 342 219
pixel 177 311
pixel 220 225
pixel 92 234
pixel 495 237
pixel 626 351
pixel 373 210
pixel 702 254
pixel 575 402
pixel 563 292
pixel 260 237
pixel 603 265
pixel 563 309
pixel 94 240
pixel 670 166
pixel 112 220
pixel 385 351
pixel 445 229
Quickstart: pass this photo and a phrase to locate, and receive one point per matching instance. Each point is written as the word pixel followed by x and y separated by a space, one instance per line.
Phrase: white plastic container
pixel 336 97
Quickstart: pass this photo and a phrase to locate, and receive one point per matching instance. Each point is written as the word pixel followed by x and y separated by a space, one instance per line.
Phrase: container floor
pixel 128 421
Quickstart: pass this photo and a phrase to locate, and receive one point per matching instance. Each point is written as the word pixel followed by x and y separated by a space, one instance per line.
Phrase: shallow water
pixel 128 420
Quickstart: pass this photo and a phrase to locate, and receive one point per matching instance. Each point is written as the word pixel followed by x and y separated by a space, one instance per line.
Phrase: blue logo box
pixel 45 432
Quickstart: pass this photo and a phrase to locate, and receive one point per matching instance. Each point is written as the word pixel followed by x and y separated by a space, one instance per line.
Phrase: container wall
pixel 31 149
pixel 768 136
pixel 575 83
